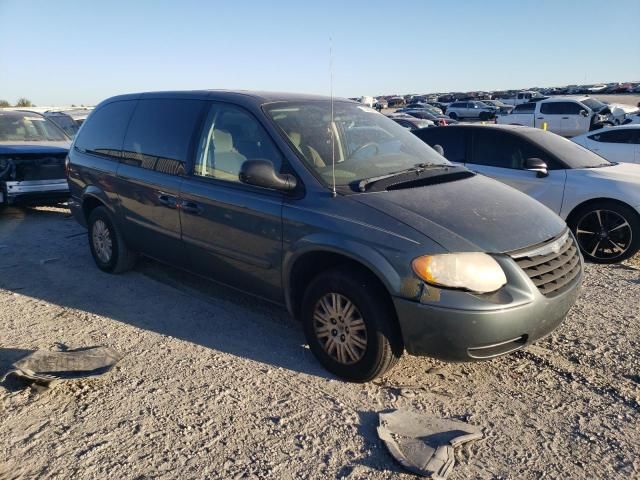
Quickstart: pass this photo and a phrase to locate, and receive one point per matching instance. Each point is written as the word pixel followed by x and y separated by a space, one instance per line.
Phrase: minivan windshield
pixel 366 143
pixel 28 127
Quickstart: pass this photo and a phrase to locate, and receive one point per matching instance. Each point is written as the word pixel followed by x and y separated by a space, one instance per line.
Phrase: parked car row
pixel 513 97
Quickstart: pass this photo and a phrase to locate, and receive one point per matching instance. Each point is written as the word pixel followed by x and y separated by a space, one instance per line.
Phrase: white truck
pixel 523 97
pixel 565 116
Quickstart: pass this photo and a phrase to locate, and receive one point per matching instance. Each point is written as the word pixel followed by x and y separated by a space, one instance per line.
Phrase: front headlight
pixel 473 271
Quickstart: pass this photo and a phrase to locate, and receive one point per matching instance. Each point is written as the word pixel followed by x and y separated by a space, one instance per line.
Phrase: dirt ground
pixel 215 384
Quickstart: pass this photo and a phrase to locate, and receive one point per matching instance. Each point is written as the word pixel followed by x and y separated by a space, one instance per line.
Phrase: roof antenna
pixel 332 125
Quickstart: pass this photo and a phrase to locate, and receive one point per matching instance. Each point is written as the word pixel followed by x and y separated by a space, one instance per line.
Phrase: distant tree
pixel 24 102
pixel 4 103
pixel 73 105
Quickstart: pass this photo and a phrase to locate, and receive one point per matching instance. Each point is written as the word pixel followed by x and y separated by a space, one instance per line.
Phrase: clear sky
pixel 73 51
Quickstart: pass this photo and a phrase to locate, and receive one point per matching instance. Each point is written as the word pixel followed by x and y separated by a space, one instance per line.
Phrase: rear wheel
pixel 108 248
pixel 607 232
pixel 453 115
pixel 484 116
pixel 350 325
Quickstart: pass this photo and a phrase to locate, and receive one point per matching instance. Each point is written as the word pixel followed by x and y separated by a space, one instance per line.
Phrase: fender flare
pixel 94 192
pixel 367 256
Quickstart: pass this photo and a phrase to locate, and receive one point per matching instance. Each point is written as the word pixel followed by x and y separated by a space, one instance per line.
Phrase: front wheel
pixel 607 232
pixel 350 325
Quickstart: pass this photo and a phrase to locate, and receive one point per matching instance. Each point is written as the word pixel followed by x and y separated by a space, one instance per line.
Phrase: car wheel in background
pixel 484 116
pixel 350 324
pixel 607 232
pixel 453 115
pixel 108 248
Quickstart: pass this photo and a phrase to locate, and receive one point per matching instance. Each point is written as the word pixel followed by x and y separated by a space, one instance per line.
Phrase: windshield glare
pixel 28 127
pixel 366 143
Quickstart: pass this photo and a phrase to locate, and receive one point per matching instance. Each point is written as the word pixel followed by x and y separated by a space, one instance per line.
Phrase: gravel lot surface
pixel 215 384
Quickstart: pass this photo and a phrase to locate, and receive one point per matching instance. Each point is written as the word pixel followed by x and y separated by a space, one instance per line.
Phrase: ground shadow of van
pixel 45 255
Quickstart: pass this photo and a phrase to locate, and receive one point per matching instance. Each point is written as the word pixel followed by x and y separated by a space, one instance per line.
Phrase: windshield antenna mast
pixel 332 125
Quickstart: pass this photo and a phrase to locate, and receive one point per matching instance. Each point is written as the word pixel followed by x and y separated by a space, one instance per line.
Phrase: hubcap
pixel 101 238
pixel 604 234
pixel 340 328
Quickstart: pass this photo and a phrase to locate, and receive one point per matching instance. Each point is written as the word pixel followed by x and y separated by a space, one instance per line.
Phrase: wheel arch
pixel 92 198
pixel 303 264
pixel 572 216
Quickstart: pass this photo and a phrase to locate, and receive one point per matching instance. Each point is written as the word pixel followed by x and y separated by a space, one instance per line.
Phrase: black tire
pixel 612 214
pixel 484 116
pixel 384 345
pixel 453 116
pixel 121 258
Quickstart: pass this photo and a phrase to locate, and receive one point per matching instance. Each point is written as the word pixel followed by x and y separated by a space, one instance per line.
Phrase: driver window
pixel 231 137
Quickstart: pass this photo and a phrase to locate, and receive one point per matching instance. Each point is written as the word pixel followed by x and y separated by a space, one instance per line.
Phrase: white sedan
pixel 616 144
pixel 599 200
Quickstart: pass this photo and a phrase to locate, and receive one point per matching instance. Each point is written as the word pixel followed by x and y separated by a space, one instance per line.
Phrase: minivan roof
pixel 240 96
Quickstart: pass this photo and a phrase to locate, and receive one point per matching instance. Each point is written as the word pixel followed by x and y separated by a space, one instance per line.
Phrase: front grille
pixel 551 266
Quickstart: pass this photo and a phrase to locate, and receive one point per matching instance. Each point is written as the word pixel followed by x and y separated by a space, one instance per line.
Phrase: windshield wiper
pixel 417 168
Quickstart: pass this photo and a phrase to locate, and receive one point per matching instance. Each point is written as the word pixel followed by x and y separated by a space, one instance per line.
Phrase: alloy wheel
pixel 604 234
pixel 340 328
pixel 101 238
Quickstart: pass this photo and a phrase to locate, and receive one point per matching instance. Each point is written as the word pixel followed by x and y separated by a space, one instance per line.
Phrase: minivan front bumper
pixel 483 327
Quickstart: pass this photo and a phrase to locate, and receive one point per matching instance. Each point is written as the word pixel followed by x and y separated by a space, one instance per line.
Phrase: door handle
pixel 540 118
pixel 167 200
pixel 190 207
pixel 565 118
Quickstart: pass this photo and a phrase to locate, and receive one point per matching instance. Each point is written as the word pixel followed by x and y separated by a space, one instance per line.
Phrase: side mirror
pixel 262 173
pixel 536 165
pixel 584 113
pixel 439 149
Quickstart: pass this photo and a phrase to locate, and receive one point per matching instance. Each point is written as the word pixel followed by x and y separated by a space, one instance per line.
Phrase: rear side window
pixel 452 140
pixel 104 131
pixel 616 136
pixel 561 108
pixel 160 134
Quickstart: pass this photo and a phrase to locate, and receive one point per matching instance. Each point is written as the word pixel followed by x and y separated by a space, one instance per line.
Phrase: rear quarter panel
pixel 92 176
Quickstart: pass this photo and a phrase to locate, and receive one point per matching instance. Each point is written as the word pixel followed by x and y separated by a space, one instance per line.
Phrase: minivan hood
pixel 473 214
